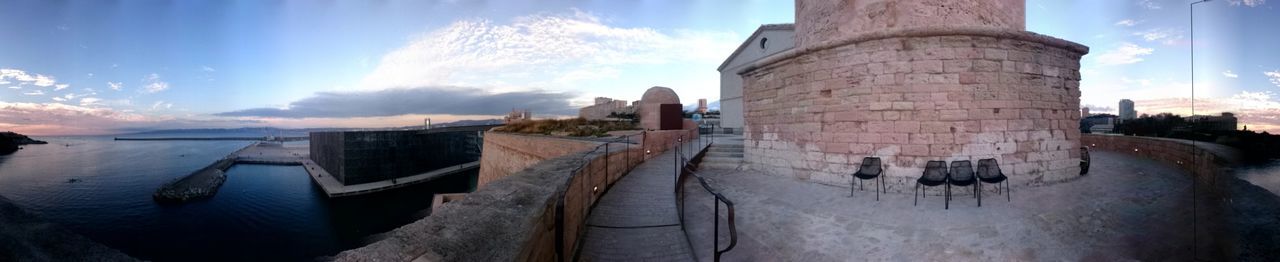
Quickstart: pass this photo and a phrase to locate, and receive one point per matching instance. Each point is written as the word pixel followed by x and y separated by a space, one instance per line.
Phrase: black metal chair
pixel 989 172
pixel 935 174
pixel 870 169
pixel 961 174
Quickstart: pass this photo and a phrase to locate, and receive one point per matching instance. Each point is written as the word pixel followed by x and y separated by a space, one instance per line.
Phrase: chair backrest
pixel 935 170
pixel 988 168
pixel 961 170
pixel 870 165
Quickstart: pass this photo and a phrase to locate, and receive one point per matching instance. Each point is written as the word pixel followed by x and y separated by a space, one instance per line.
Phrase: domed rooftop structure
pixel 659 95
pixel 649 106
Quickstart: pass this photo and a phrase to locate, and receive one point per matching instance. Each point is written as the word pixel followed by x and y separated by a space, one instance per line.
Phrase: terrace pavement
pixel 1127 208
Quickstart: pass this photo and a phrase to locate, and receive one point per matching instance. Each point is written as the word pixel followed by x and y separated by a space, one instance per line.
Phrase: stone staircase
pixel 726 152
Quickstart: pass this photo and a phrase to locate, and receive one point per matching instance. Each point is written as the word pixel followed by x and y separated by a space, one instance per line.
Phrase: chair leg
pixel 854 179
pixel 915 200
pixel 860 184
pixel 877 189
pixel 1008 191
pixel 946 202
pixel 978 186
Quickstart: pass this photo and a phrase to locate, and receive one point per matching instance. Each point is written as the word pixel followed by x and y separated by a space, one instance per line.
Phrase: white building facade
pixel 767 40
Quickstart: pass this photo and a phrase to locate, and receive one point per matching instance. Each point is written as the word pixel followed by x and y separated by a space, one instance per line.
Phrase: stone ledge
pixel 918 32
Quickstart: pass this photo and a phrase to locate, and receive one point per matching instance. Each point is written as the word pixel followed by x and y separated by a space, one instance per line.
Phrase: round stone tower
pixel 911 81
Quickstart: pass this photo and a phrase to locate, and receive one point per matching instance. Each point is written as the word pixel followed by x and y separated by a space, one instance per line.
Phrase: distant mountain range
pixel 288 132
pixel 712 106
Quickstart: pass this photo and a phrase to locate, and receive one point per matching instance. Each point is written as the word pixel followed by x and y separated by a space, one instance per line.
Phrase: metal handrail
pixel 560 198
pixel 733 229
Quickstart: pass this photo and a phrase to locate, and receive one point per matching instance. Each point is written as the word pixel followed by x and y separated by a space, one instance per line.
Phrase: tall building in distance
pixel 702 105
pixel 1126 110
pixel 1084 112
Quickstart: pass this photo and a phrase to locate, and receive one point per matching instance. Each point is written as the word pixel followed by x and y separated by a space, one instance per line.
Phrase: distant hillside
pixel 9 142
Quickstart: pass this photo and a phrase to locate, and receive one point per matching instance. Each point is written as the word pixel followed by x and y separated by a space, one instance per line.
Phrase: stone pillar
pixel 912 81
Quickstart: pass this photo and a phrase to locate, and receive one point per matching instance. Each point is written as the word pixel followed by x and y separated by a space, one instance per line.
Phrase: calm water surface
pixel 102 189
pixel 1266 176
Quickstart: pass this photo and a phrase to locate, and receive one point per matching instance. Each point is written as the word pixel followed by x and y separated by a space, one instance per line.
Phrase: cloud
pixel 15 87
pixel 61 87
pixel 1250 3
pixel 1274 76
pixel 34 93
pixel 534 50
pixel 423 100
pixel 1163 35
pixel 1097 109
pixel 115 85
pixel 207 69
pixel 152 84
pixel 1148 4
pixel 1257 110
pixel 1126 53
pixel 63 119
pixel 161 104
pixel 1127 22
pixel 89 101
pixel 59 99
pixel 24 78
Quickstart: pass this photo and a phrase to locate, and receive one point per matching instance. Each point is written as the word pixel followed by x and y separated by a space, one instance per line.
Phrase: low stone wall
pixel 507 153
pixel 658 141
pixel 514 217
pixel 1210 163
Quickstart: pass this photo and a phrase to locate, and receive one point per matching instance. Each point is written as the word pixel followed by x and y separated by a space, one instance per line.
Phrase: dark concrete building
pixel 356 157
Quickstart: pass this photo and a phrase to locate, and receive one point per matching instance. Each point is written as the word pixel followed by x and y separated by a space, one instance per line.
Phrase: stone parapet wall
pixel 1210 163
pixel 514 217
pixel 914 95
pixel 507 153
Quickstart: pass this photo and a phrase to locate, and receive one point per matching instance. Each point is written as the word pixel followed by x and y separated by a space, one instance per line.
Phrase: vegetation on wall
pixel 568 127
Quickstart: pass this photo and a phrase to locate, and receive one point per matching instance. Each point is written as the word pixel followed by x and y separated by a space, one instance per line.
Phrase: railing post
pixel 606 164
pixel 715 219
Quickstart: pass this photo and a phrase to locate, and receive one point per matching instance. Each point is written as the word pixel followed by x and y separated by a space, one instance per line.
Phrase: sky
pixel 107 67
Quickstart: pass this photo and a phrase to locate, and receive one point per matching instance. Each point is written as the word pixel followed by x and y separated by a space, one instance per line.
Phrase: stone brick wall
pixel 1210 163
pixel 818 20
pixel 506 153
pixel 911 96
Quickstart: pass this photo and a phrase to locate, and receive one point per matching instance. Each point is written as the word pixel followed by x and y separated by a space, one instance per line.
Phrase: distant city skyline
pixel 82 68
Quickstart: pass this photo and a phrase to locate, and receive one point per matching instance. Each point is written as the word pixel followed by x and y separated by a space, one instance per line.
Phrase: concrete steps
pixel 726 153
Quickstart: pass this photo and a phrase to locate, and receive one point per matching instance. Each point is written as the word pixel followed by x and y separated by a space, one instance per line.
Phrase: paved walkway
pixel 1127 208
pixel 637 219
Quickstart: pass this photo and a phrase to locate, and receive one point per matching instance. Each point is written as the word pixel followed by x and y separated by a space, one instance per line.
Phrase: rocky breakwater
pixel 198 185
pixel 10 142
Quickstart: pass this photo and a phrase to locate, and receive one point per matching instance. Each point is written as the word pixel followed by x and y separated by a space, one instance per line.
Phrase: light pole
pixel 1195 232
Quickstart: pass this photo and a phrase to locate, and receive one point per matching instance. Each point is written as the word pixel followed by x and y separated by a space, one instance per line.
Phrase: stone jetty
pixel 205 182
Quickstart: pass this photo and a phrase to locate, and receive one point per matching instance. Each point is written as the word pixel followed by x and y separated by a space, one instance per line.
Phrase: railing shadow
pixel 688 219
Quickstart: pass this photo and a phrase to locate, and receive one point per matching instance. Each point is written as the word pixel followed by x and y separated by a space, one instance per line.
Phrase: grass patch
pixel 567 127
